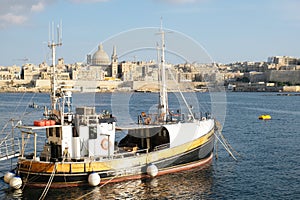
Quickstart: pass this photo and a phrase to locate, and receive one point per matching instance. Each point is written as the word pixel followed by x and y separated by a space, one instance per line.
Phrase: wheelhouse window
pixel 92 132
pixel 50 131
pixel 57 131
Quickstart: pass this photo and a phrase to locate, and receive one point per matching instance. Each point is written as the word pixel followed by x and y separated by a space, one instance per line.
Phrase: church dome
pixel 100 57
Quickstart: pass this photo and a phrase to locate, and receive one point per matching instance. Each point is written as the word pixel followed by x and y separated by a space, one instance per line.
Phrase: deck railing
pixel 9 148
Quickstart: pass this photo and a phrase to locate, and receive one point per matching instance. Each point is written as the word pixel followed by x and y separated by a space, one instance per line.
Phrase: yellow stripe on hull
pixel 166 153
pixel 113 164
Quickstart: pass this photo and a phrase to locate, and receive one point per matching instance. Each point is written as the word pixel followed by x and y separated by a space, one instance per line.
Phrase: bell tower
pixel 114 63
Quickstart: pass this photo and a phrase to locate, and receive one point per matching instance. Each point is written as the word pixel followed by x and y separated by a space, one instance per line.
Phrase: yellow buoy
pixel 265 117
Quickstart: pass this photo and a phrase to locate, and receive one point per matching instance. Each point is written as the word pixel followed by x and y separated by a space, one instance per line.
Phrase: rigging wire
pixel 183 98
pixel 12 119
pixel 24 113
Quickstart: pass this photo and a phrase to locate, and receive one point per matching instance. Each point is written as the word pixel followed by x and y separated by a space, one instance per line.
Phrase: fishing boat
pixel 81 147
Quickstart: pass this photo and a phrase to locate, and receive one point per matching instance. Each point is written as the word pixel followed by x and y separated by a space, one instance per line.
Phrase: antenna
pixel 52 32
pixel 59 33
pixel 157 48
pixel 49 29
pixel 52 45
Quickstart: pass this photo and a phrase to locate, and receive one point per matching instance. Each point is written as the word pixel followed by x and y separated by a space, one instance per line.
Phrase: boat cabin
pixel 89 135
pixel 151 138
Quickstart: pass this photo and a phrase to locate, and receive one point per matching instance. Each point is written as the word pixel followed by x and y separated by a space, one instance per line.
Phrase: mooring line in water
pixel 226 148
pixel 93 191
pixel 216 149
pixel 227 143
pixel 223 141
pixel 48 184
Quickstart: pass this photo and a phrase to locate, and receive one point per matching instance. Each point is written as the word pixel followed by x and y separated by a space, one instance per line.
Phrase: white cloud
pixel 17 7
pixel 12 18
pixel 19 12
pixel 40 6
pixel 10 11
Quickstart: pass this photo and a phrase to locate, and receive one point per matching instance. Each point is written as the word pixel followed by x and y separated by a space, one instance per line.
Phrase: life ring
pixel 104 143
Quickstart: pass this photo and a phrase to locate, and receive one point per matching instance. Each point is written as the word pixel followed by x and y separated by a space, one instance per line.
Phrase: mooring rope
pixel 32 179
pixel 226 147
pixel 27 174
pixel 223 141
pixel 48 184
pixel 227 143
pixel 216 149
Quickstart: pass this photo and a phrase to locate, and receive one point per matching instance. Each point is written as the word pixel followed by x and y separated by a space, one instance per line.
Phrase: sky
pixel 227 30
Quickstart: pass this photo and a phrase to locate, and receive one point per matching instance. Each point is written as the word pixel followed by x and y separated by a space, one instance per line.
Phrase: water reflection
pixel 192 184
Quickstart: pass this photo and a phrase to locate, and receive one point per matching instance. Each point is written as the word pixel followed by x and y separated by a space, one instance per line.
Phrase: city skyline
pixel 228 30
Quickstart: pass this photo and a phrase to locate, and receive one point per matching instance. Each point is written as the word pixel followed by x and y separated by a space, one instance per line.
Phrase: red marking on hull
pixel 188 166
pixel 185 167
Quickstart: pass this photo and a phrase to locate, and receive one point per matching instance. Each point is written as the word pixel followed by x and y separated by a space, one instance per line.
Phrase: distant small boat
pixel 265 117
pixel 33 105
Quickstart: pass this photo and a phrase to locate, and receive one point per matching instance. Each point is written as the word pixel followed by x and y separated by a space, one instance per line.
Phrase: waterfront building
pixel 284 60
pixel 10 73
pixel 31 72
pixel 109 73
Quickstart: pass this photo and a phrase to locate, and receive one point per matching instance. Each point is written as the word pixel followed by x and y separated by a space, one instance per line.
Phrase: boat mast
pixel 163 107
pixel 52 45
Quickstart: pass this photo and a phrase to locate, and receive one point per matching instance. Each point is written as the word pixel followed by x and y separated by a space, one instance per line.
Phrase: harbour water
pixel 268 166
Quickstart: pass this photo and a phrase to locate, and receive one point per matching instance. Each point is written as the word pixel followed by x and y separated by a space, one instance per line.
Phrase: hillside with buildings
pixel 279 73
pixel 102 73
